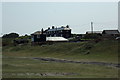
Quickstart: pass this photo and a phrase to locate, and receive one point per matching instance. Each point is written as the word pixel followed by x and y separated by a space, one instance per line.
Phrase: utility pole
pixel 92 27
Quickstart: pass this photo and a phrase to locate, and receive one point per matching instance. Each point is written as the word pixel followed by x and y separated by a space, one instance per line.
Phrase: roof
pixel 60 28
pixel 37 32
pixel 94 32
pixel 56 39
pixel 110 32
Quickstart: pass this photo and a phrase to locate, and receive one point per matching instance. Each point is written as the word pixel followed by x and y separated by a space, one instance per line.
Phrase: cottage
pixel 110 33
pixel 54 34
pixel 38 36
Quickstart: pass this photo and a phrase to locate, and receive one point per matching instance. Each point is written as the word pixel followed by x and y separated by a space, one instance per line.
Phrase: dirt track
pixel 80 62
pixel 71 61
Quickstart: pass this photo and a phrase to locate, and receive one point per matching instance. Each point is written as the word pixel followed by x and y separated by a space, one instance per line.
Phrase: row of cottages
pixel 53 34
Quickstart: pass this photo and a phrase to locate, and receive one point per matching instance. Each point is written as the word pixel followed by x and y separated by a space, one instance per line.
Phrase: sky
pixel 28 17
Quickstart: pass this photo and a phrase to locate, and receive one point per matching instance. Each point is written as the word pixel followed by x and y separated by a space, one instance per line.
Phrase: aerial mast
pixel 92 27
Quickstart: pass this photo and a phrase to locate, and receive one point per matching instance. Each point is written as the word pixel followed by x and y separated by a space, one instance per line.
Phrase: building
pixel 53 34
pixel 38 36
pixel 56 39
pixel 96 32
pixel 59 32
pixel 110 32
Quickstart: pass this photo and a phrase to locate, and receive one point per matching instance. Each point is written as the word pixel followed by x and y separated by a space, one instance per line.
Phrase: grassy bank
pixel 104 51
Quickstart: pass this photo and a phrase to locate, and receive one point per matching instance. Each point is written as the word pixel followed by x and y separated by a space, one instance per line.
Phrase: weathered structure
pixel 110 34
pixel 53 34
pixel 38 36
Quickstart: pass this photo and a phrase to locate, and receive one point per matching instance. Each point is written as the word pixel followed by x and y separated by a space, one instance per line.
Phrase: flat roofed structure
pixel 97 32
pixel 59 39
pixel 110 32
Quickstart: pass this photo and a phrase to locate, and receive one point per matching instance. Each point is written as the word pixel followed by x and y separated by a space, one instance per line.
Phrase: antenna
pixel 92 27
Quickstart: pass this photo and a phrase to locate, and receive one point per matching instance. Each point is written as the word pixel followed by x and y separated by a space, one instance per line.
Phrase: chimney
pixel 62 26
pixel 42 30
pixel 53 27
pixel 67 26
pixel 48 28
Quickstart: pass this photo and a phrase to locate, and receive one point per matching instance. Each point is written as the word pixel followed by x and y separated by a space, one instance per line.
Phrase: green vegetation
pixel 9 39
pixel 10 35
pixel 28 68
pixel 92 36
pixel 103 51
pixel 77 51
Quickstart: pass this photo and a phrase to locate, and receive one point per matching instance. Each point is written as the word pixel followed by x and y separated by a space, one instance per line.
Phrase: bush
pixel 11 35
pixel 7 41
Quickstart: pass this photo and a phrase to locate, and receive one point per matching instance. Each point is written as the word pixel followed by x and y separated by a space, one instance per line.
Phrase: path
pixel 71 61
pixel 80 62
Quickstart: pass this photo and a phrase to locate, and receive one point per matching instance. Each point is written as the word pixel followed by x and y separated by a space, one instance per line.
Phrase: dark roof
pixel 60 28
pixel 110 32
pixel 36 33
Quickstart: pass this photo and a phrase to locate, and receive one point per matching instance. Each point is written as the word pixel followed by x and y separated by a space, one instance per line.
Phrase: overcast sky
pixel 28 17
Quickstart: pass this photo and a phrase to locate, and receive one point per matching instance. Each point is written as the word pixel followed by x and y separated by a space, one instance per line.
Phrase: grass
pixel 23 66
pixel 75 51
pixel 104 51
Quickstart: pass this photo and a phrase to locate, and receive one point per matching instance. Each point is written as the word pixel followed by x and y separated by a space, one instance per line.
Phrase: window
pixel 61 35
pixel 38 36
pixel 32 39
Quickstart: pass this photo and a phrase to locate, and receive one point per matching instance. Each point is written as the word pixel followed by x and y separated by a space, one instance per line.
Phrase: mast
pixel 92 27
